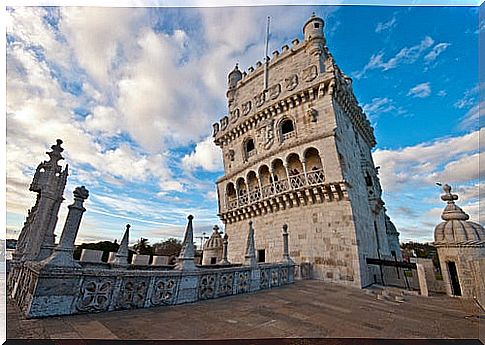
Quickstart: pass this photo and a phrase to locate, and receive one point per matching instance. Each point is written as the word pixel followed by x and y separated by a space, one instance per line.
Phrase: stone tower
pixel 36 240
pixel 461 247
pixel 299 153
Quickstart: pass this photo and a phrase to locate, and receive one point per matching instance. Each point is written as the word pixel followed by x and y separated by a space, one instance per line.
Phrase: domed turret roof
pixel 456 228
pixel 313 18
pixel 390 227
pixel 234 76
pixel 215 241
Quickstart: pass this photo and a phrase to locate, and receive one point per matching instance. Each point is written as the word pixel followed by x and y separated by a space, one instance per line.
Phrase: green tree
pixel 105 246
pixel 170 247
pixel 142 247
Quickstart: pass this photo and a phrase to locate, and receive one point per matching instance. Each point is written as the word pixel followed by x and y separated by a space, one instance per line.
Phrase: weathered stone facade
pixel 299 153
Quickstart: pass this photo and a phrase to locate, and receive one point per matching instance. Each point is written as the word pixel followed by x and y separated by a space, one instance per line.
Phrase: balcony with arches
pixel 293 181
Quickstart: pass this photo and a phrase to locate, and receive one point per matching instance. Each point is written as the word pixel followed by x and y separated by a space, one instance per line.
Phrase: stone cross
pixel 63 253
pixel 224 260
pixel 286 255
pixel 185 260
pixel 250 257
pixel 121 257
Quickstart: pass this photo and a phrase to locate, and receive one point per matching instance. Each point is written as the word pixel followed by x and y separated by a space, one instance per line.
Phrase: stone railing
pixel 90 290
pixel 295 182
pixel 288 135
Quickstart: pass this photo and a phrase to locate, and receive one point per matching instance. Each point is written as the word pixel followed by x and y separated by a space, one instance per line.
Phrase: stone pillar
pixel 290 186
pixel 423 284
pixel 224 260
pixel 271 173
pixel 260 187
pixel 286 254
pixel 121 257
pixel 63 253
pixel 185 260
pixel 250 256
pixel 303 163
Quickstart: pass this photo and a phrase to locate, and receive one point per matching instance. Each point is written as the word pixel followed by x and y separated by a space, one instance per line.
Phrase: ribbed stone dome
pixel 390 227
pixel 456 228
pixel 215 241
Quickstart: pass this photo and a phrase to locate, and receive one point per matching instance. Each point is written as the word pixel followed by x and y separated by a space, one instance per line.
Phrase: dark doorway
pixel 213 261
pixel 261 255
pixel 455 283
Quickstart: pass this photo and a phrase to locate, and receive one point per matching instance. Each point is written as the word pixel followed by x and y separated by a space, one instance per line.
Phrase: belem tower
pixel 296 149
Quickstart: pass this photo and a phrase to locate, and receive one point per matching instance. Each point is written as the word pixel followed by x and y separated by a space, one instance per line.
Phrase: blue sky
pixel 133 94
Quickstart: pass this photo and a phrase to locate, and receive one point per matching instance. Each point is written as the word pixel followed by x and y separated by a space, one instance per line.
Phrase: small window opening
pixel 316 25
pixel 213 261
pixel 368 180
pixel 261 255
pixel 249 145
pixel 287 127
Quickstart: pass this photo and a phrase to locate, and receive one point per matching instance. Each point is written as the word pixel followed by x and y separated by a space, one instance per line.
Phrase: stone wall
pixel 478 269
pixel 44 292
pixel 463 257
pixel 322 234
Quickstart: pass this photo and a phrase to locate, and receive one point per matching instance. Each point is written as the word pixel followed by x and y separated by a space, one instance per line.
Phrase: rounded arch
pixel 279 171
pixel 312 158
pixel 252 180
pixel 287 126
pixel 314 167
pixel 295 167
pixel 230 190
pixel 264 174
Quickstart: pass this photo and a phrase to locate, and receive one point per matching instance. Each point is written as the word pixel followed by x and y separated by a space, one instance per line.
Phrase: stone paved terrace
pixel 304 309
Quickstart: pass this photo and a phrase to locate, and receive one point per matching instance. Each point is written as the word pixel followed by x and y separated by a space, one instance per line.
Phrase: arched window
pixel 287 127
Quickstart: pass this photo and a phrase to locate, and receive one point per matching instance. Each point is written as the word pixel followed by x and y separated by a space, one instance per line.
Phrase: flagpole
pixel 266 58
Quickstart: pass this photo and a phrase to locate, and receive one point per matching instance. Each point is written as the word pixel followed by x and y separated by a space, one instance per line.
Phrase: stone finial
pixel 450 198
pixel 286 254
pixel 452 211
pixel 250 257
pixel 121 257
pixel 62 255
pixel 185 260
pixel 224 260
pixel 55 154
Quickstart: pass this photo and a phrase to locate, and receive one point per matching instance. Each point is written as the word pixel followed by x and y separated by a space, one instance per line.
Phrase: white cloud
pixel 206 155
pixel 380 106
pixel 407 55
pixel 469 98
pixel 449 160
pixel 436 51
pixel 385 26
pixel 472 118
pixel 421 90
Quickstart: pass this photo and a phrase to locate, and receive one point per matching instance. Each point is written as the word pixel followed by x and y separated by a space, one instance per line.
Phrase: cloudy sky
pixel 133 92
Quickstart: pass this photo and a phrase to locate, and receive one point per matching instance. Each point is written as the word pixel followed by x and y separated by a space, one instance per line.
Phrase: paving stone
pixel 340 312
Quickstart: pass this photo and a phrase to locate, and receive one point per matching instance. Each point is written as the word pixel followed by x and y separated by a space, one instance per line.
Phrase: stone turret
pixel 460 244
pixel 234 76
pixel 313 33
pixel 213 248
pixel 36 240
